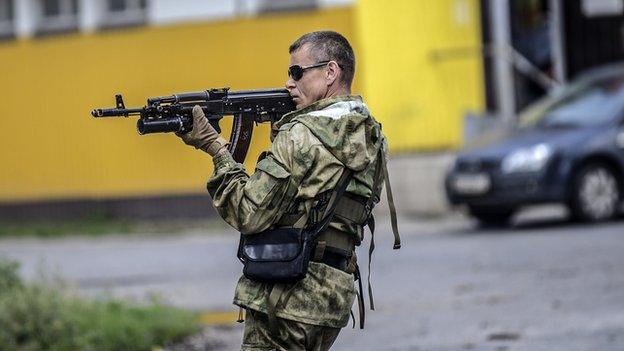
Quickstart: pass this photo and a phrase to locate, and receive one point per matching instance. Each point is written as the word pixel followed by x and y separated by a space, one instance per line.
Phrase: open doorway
pixel 555 39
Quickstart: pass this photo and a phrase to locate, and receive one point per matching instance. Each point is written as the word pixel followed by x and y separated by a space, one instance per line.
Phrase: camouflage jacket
pixel 308 154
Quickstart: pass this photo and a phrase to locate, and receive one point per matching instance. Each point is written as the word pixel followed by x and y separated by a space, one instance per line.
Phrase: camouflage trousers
pixel 293 336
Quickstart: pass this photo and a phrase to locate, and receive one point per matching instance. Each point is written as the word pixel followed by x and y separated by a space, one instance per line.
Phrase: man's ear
pixel 332 72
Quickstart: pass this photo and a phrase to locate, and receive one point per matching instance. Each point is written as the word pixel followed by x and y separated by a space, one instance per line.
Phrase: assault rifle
pixel 173 113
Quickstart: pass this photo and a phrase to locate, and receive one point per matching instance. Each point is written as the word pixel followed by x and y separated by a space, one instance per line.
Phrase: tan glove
pixel 204 136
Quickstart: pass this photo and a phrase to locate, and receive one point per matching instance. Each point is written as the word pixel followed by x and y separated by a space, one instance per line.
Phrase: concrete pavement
pixel 543 285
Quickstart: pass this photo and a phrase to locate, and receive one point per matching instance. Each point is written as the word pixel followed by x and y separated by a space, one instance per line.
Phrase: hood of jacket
pixel 344 126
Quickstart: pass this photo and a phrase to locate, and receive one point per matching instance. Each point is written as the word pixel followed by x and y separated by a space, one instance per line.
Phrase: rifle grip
pixel 215 124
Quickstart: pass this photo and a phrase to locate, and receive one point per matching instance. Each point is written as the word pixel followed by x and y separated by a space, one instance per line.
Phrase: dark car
pixel 568 148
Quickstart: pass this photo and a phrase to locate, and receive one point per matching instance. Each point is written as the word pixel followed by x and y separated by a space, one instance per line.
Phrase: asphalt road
pixel 544 284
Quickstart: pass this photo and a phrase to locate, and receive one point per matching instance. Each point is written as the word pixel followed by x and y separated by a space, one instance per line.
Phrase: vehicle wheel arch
pixel 599 158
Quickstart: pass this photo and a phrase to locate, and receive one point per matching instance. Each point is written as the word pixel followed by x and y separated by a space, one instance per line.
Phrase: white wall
pixel 167 11
pixel 158 12
pixel 331 3
pixel 90 14
pixel 25 18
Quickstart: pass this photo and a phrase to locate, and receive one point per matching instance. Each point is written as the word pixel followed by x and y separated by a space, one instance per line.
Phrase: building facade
pixel 419 69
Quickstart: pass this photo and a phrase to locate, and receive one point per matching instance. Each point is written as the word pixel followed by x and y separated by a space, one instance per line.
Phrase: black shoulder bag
pixel 282 255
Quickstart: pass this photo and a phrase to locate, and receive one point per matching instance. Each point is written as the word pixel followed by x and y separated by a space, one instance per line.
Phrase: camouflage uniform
pixel 306 159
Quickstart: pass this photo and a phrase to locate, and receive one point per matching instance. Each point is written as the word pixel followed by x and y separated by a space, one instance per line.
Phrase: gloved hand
pixel 204 136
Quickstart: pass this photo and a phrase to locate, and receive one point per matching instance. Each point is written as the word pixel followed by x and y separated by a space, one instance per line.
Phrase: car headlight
pixel 530 159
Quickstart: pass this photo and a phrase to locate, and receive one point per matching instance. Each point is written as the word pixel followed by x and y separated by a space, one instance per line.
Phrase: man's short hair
pixel 328 45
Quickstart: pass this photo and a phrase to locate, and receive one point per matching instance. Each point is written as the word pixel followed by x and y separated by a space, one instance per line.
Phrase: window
pixel 124 13
pixel 7 28
pixel 285 5
pixel 57 16
pixel 590 102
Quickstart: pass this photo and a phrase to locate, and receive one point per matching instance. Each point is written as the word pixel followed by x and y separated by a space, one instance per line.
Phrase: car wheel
pixel 492 216
pixel 595 193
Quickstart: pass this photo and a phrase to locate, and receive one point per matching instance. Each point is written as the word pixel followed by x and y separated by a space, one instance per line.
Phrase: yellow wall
pixel 51 147
pixel 420 99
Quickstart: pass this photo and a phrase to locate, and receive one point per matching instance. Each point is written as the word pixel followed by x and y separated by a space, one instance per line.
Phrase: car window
pixel 585 104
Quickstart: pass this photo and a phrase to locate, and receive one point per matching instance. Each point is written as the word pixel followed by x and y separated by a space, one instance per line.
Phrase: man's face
pixel 313 85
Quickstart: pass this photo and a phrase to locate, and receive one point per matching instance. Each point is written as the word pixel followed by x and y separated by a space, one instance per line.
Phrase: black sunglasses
pixel 296 71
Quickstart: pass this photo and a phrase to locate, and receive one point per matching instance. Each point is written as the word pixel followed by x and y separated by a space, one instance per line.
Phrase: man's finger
pixel 198 114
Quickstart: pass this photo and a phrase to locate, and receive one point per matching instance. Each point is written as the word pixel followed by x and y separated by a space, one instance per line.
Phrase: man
pixel 330 130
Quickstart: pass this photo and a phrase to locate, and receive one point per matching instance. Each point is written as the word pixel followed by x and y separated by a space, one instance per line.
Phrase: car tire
pixel 595 193
pixel 492 216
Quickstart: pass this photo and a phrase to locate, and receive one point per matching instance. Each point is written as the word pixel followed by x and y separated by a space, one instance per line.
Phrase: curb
pixel 218 317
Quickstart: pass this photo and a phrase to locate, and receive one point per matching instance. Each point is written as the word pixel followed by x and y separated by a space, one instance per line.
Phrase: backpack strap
pixel 341 186
pixel 393 216
pixel 371 248
pixel 370 221
pixel 381 173
pixel 360 296
pixel 330 208
pixel 277 290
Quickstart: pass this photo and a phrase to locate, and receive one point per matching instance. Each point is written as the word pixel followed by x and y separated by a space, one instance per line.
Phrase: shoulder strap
pixel 379 168
pixel 381 173
pixel 393 217
pixel 337 193
pixel 376 181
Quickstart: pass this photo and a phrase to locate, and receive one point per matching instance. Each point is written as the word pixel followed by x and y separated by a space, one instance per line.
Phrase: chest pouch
pixel 282 255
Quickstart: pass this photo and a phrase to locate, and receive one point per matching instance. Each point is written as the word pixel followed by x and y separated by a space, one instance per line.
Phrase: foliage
pixel 89 226
pixel 9 278
pixel 103 225
pixel 46 317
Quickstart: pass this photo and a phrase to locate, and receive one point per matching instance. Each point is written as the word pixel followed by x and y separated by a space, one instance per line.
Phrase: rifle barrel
pixel 115 112
pixel 182 97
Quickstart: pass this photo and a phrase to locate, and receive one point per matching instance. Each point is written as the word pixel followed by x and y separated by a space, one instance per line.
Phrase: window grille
pixel 57 16
pixel 119 13
pixel 7 25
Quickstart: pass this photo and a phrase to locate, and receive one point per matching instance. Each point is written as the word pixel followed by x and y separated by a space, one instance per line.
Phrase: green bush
pixel 35 318
pixel 44 317
pixel 85 226
pixel 9 279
